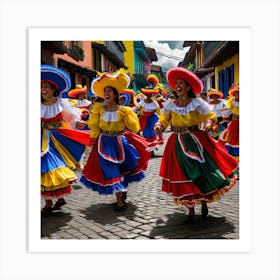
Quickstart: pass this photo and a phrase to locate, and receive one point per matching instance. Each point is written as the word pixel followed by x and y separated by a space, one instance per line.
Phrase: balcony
pixel 57 47
pixel 76 52
pixel 113 51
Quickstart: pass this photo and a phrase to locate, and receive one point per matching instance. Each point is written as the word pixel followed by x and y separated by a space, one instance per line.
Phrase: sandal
pixel 58 204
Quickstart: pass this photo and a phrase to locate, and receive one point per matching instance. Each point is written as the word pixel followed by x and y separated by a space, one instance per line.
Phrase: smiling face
pixel 181 87
pixel 47 90
pixel 110 95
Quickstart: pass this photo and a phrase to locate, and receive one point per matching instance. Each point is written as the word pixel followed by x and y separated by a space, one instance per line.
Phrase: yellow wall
pixel 234 60
pixel 129 56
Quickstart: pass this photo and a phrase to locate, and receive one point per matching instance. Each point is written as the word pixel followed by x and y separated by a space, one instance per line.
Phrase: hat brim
pixel 219 94
pixel 233 91
pixel 153 78
pixel 74 92
pixel 176 73
pixel 57 76
pixel 119 82
pixel 128 91
pixel 149 91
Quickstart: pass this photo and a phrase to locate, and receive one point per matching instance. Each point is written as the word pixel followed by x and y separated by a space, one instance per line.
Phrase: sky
pixel 169 53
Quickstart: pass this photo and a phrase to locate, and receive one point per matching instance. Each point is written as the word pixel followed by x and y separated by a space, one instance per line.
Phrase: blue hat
pixel 57 77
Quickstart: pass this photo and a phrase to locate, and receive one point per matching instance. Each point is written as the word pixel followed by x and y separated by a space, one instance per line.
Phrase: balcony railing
pixel 76 52
pixel 112 47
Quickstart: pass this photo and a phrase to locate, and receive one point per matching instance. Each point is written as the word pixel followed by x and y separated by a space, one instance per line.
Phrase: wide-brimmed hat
pixel 161 87
pixel 57 77
pixel 78 90
pixel 233 88
pixel 128 91
pixel 148 91
pixel 118 80
pixel 181 73
pixel 154 78
pixel 214 91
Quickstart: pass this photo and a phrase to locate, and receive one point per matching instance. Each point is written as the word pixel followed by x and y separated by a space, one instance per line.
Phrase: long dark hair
pixel 116 95
pixel 190 92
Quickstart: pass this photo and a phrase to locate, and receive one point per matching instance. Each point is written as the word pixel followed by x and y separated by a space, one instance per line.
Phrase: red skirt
pixel 184 189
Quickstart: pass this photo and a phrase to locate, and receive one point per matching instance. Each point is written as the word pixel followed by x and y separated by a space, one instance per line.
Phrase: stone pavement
pixel 150 214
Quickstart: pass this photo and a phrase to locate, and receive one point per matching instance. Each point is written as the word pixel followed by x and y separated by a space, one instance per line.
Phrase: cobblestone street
pixel 150 214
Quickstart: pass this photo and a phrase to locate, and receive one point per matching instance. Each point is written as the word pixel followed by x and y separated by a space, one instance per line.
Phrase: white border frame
pixel 262 16
pixel 244 36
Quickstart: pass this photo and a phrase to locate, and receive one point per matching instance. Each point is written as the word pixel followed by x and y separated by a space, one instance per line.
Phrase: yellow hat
pixel 119 81
pixel 214 91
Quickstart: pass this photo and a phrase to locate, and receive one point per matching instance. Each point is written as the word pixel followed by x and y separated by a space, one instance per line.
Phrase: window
pixel 226 78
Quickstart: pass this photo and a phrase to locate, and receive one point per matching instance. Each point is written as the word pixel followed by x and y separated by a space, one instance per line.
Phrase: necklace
pixel 182 102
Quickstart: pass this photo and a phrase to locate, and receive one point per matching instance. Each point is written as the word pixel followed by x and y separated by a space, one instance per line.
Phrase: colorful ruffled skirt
pixel 114 162
pixel 147 122
pixel 230 138
pixel 195 167
pixel 61 151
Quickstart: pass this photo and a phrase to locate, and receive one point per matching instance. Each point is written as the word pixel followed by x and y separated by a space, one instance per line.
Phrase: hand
pixel 208 126
pixel 158 129
pixel 80 124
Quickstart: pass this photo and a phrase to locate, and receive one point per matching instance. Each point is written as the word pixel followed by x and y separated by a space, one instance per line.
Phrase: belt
pixel 51 125
pixel 112 132
pixel 235 117
pixel 184 129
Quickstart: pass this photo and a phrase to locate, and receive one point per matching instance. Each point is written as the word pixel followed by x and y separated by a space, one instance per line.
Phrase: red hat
pixel 78 90
pixel 233 88
pixel 181 73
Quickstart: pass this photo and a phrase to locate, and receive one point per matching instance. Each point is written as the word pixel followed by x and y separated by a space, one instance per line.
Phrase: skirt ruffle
pixel 122 159
pixel 147 122
pixel 195 167
pixel 230 138
pixel 60 157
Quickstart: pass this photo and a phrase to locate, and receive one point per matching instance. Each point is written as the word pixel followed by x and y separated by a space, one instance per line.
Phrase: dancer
pixel 61 144
pixel 78 97
pixel 121 154
pixel 194 167
pixel 149 115
pixel 230 137
pixel 217 105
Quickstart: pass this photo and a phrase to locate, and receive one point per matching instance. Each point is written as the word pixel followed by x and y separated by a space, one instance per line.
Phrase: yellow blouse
pixel 196 112
pixel 118 120
pixel 233 105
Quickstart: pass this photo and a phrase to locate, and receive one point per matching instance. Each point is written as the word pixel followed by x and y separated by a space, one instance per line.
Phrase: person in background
pixel 78 97
pixel 230 137
pixel 218 104
pixel 195 169
pixel 152 81
pixel 148 116
pixel 62 145
pixel 204 96
pixel 121 153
